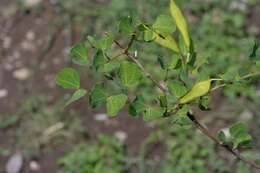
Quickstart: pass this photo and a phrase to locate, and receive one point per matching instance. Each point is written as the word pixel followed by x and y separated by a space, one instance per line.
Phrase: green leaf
pixel 76 96
pixel 125 25
pixel 163 100
pixel 175 62
pixel 68 78
pixel 161 62
pixel 137 106
pixel 177 88
pixel 164 25
pixel 129 74
pixel 98 96
pixel 79 54
pixel 239 134
pixel 99 60
pixel 242 139
pixel 237 129
pixel 153 113
pixel 111 66
pixel 222 136
pixel 105 42
pixel 204 103
pixel 257 64
pixel 181 117
pixel 167 41
pixel 115 104
pixel 198 90
pixel 180 22
pixel 148 34
pixel 253 55
pixel 9 121
pixel 231 74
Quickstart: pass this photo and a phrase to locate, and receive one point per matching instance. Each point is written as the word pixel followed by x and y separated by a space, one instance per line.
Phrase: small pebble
pixel 101 117
pixel 121 135
pixel 3 93
pixel 34 166
pixel 14 164
pixel 22 74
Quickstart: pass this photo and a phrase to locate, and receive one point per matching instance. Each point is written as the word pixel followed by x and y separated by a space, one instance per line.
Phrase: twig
pixel 251 75
pixel 206 132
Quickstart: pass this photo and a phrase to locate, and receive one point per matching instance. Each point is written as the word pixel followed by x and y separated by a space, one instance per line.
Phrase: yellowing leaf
pixel 167 42
pixel 180 22
pixel 198 90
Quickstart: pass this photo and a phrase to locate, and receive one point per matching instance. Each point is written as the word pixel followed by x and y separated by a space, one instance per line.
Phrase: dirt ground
pixel 28 67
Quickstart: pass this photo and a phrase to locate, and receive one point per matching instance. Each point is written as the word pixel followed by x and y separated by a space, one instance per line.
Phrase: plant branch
pixel 198 125
pixel 206 132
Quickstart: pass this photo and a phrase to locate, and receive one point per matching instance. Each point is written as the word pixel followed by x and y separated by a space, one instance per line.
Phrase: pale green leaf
pixel 115 104
pixel 167 41
pixel 76 96
pixel 68 78
pixel 153 113
pixel 198 90
pixel 164 25
pixel 180 22
pixel 129 74
pixel 79 54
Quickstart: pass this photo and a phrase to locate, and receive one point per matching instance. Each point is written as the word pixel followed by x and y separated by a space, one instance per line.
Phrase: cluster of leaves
pixel 106 155
pixel 185 80
pixel 237 136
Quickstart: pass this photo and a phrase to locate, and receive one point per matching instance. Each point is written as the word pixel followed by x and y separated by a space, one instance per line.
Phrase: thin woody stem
pixel 206 132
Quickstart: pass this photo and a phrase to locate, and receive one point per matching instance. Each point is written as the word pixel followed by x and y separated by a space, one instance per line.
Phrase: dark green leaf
pixel 115 104
pixel 222 136
pixel 76 96
pixel 161 61
pixel 79 54
pixel 129 74
pixel 237 129
pixel 99 60
pixel 98 96
pixel 163 101
pixel 204 103
pixel 137 106
pixel 253 54
pixel 68 78
pixel 241 140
